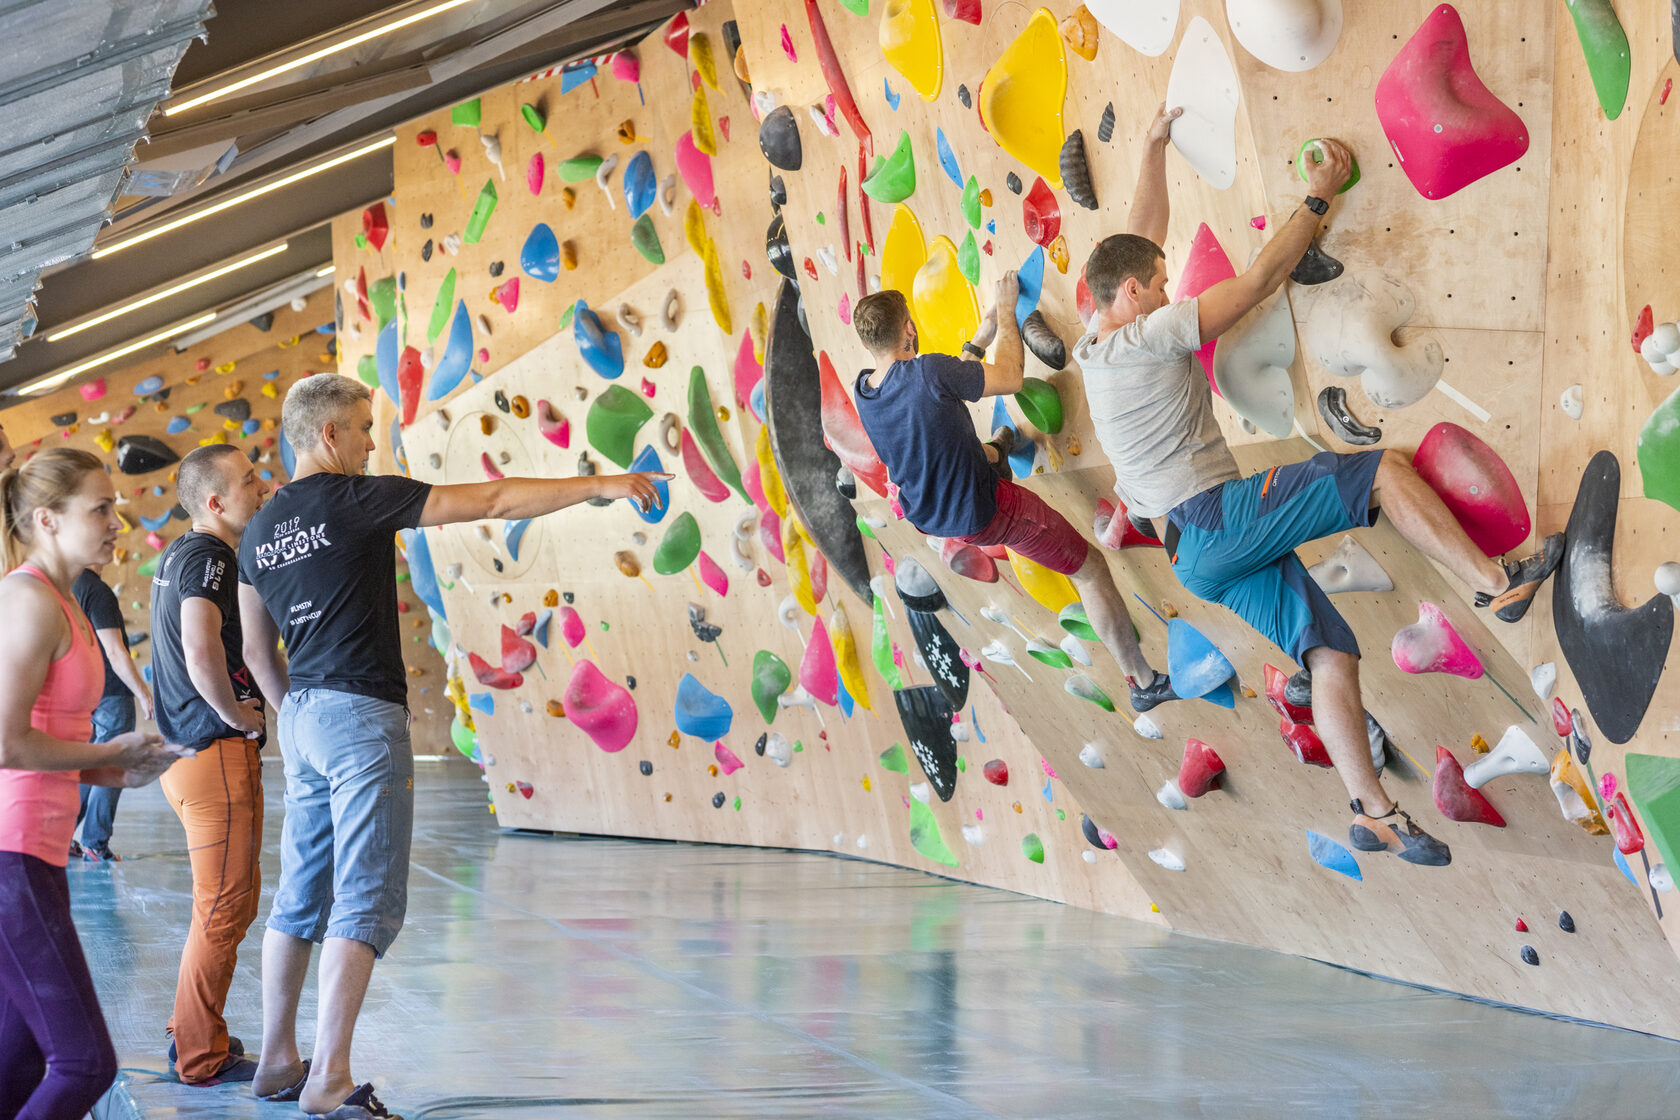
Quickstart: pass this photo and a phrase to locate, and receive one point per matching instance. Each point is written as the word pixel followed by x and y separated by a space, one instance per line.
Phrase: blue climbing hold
pixel 420 571
pixel 153 524
pixel 1223 696
pixel 266 475
pixel 177 425
pixel 148 386
pixel 640 186
pixel 250 427
pixel 1327 853
pixel 1030 278
pixel 540 630
pixel 647 460
pixel 482 702
pixel 991 226
pixel 846 701
pixel 974 718
pixel 574 74
pixel 1194 663
pixel 540 256
pixel 513 532
pixel 457 356
pixel 271 375
pixel 947 158
pixel 157 491
pixel 700 712
pixel 756 400
pixel 892 98
pixel 1026 452
pixel 1048 796
pixel 1622 866
pixel 385 361
pixel 601 349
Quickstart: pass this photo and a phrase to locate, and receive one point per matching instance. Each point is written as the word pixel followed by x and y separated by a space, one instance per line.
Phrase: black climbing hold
pixel 1529 956
pixel 178 512
pixel 497 563
pixel 918 590
pixel 1616 653
pixel 846 482
pixel 1316 266
pixel 964 96
pixel 646 768
pixel 630 683
pixel 1046 345
pixel 778 139
pixel 402 281
pixel 426 250
pixel 927 723
pixel 501 401
pixel 763 741
pixel 1076 170
pixel 338 306
pixel 1013 182
pixel 425 221
pixel 703 630
pixel 1579 741
pixel 1565 922
pixel 777 249
pixel 732 48
pixel 332 345
pixel 942 655
pixel 237 409
pixel 143 454
pixel 162 394
pixel 778 191
pixel 718 799
pixel 495 268
pixel 63 419
pixel 1089 828
pixel 1105 127
pixel 1333 407
pixel 253 453
pixel 569 597
pixel 263 322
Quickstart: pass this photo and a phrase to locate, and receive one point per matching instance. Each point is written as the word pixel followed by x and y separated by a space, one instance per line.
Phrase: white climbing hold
pixel 1350 568
pixel 921 791
pixel 1571 402
pixel 668 194
pixel 1170 796
pixel 1661 880
pixel 974 834
pixel 738 550
pixel 1075 649
pixel 996 651
pixel 862 841
pixel 601 175
pixel 797 698
pixel 993 613
pixel 960 732
pixel 763 101
pixel 1542 678
pixel 493 153
pixel 1251 367
pixel 1352 331
pixel 1661 348
pixel 1145 726
pixel 1091 755
pixel 1515 753
pixel 825 254
pixel 1147 26
pixel 777 749
pixel 1088 856
pixel 639 538
pixel 1166 859
pixel 1204 83
pixel 525 707
pixel 1667 579
pixel 670 310
pixel 790 612
pixel 1289 35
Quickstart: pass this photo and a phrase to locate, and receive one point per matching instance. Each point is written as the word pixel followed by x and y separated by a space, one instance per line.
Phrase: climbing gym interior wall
pixel 581 279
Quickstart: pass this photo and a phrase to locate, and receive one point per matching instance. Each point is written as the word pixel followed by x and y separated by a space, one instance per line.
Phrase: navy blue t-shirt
pixel 99 603
pixel 196 566
pixel 922 431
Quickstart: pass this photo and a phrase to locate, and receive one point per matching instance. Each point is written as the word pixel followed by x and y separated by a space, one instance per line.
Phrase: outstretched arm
pixel 1221 306
pixel 510 499
pixel 1005 371
pixel 1150 205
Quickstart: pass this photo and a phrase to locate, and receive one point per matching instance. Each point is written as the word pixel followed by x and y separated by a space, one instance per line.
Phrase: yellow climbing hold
pixel 846 656
pixel 219 437
pixel 866 786
pixel 1021 97
pixel 700 53
pixel 1053 590
pixel 270 390
pixel 910 43
pixel 770 479
pixel 947 314
pixel 106 440
pixel 799 575
pixel 903 252
pixel 700 123
pixel 759 327
pixel 719 299
pixel 694 228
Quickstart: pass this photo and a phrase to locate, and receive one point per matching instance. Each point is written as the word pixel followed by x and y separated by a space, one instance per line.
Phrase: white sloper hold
pixel 1204 84
pixel 1166 859
pixel 1291 35
pixel 1352 329
pixel 1145 726
pixel 1170 796
pixel 1350 568
pixel 1572 402
pixel 973 834
pixel 1661 349
pixel 1543 678
pixel 1251 367
pixel 1091 755
pixel 1147 26
pixel 1515 753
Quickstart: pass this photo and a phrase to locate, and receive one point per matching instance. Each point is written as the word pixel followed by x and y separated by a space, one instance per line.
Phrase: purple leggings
pixel 56 1058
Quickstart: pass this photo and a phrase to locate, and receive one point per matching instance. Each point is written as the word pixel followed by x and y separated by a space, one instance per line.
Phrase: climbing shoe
pixel 1525 577
pixel 1297 690
pixel 1004 440
pixel 1157 691
pixel 1398 834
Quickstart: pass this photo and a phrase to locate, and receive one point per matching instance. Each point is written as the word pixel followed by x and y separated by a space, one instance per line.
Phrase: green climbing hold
pixel 613 421
pixel 856 7
pixel 577 169
pixel 533 117
pixel 893 759
pixel 822 219
pixel 1049 655
pixel 770 678
pixel 463 738
pixel 360 241
pixel 480 216
pixel 468 113
pixel 442 307
pixel 566 318
pixel 149 568
pixel 646 240
pixel 1032 847
pixel 864 528
pixel 382 295
pixel 1073 620
pixel 367 368
pixel 962 763
pixel 703 425
pixel 880 648
pixel 737 803
pixel 1653 785
pixel 968 259
pixel 1606 46
pixel 1659 452
pixel 1041 404
pixel 893 178
pixel 925 837
pixel 1086 689
pixel 1061 815
pixel 1308 152
pixel 971 202
pixel 199 407
pixel 680 546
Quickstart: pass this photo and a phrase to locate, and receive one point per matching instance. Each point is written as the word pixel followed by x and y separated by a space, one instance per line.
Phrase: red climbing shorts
pixel 1025 523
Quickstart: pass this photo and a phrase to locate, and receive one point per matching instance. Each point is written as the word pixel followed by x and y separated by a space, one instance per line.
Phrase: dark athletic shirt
pixel 322 554
pixel 195 566
pixel 918 423
pixel 99 603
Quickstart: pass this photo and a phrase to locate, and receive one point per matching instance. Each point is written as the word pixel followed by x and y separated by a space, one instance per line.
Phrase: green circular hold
pixel 1301 164
pixel 1041 404
pixel 361 241
pixel 680 546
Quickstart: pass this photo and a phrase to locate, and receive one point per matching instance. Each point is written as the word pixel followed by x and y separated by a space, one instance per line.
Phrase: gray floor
pixel 556 977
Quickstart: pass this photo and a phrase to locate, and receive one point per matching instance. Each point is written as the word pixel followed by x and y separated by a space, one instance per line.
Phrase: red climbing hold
pixel 1083 300
pixel 526 789
pixel 1562 723
pixel 1115 530
pixel 1275 680
pixel 491 676
pixel 410 373
pixel 810 268
pixel 843 431
pixel 966 10
pixel 997 772
pixel 363 307
pixel 1304 742
pixel 1628 837
pixel 1476 486
pixel 527 623
pixel 1454 797
pixel 676 34
pixel 518 655
pixel 1642 328
pixel 1041 214
pixel 376 227
pixel 1200 770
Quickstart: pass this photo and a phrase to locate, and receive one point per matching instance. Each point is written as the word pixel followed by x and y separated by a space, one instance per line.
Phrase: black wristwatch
pixel 1317 205
pixel 970 348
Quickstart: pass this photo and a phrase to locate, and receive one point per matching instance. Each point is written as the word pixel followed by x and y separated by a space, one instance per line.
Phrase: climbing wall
pixel 1488 260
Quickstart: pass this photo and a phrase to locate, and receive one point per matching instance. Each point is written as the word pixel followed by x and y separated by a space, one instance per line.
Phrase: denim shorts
pixel 344 845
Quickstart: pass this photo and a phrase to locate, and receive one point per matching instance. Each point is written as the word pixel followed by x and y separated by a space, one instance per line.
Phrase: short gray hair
pixel 315 400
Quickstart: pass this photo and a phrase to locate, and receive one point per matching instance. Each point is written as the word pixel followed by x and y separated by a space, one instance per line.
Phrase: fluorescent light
pixel 52 381
pixel 258 191
pixel 177 289
pixel 313 56
pixel 324 271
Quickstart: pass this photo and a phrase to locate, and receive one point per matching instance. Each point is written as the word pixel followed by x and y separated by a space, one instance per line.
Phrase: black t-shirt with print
pixel 195 566
pixel 322 554
pixel 99 603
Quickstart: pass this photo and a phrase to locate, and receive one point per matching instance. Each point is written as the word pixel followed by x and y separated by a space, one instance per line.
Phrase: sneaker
pixel 1525 577
pixel 1297 690
pixel 1378 739
pixel 236 1049
pixel 360 1105
pixel 1158 691
pixel 1396 833
pixel 100 854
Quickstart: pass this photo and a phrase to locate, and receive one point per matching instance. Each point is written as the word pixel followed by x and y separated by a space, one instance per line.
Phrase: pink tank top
pixel 38 808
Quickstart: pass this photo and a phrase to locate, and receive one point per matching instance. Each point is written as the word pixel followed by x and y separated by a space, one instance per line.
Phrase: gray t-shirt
pixel 1153 410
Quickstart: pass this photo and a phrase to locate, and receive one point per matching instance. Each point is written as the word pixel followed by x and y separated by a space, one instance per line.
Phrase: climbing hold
pixel 1076 171
pixel 1351 330
pixel 996 772
pixel 1147 26
pixel 554 427
pixel 1119 531
pixel 490 675
pixel 1653 783
pixel 1047 346
pixel 778 139
pixel 1196 665
pixel 703 426
pixel 1302 741
pixel 1446 128
pixel 1659 450
pixel 1572 402
pixel 1086 689
pixel 1329 854
pixel 540 256
pixel 1515 753
pixel 1079 31
pixel 1565 922
pixel 1350 568
pixel 910 42
pixel 601 349
pixel 818 673
pixel 1431 645
pixel 1315 266
pixel 1574 795
pixel 1204 83
pixel 1200 769
pixel 946 310
pixel 695 167
pixel 612 423
pixel 1622 825
pixel 1041 214
pixel 1251 367
pixel 893 178
pixel 645 240
pixel 1311 152
pixel 1040 402
pixel 1091 755
pixel 1021 97
pixel 601 709
pixel 1289 35
pixel 1529 956
pixel 1032 847
pixel 700 124
pixel 141 454
pixel 947 157
pixel 926 717
pixel 480 216
pixel 1456 799
pixel 647 462
pixel 1166 859
pixel 843 430
pixel 1170 797
pixel 703 714
pixel 1476 486
pixel 679 547
pixel 771 677
pixel 1333 407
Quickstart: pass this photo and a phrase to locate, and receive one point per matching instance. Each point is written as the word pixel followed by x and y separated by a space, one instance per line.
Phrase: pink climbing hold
pixel 602 709
pixel 748 373
pixel 1446 128
pixel 534 173
pixel 518 654
pixel 1206 266
pixel 571 626
pixel 843 431
pixel 626 67
pixel 845 308
pixel 1049 771
pixel 819 575
pixel 700 472
pixel 94 389
pixel 649 388
pixel 711 575
pixel 154 541
pixel 1084 302
pixel 491 471
pixel 752 481
pixel 1200 770
pixel 1118 532
pixel 695 167
pixel 968 561
pixel 1476 486
pixel 726 758
pixel 770 534
pixel 818 673
pixel 1258 221
pixel 490 676
pixel 1455 797
pixel 1431 645
pixel 508 295
pixel 554 427
pixel 787 45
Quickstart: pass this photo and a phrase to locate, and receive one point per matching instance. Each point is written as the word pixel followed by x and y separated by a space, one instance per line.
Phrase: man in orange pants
pixel 206 697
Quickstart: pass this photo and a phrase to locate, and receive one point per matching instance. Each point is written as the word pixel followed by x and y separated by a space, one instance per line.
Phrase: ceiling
pixel 199 156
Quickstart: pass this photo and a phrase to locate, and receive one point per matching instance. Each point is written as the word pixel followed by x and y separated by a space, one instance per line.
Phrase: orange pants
pixel 218 796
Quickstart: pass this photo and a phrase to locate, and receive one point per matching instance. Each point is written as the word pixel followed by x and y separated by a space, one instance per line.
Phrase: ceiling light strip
pixel 52 381
pixel 173 290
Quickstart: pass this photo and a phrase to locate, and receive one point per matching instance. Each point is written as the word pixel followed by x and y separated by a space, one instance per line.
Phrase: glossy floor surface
pixel 559 977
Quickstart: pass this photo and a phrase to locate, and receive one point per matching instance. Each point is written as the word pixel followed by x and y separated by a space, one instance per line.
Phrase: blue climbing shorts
pixel 1236 545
